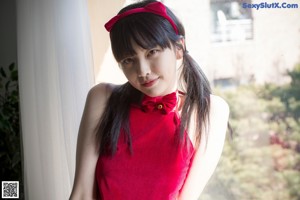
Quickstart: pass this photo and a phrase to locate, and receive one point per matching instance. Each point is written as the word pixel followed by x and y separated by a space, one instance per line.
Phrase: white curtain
pixel 55 72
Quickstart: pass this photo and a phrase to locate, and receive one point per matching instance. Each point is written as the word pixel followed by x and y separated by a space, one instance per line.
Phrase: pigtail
pixel 116 118
pixel 197 101
pixel 195 84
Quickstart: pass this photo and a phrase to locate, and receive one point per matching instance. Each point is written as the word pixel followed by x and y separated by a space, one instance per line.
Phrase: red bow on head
pixel 156 8
pixel 164 104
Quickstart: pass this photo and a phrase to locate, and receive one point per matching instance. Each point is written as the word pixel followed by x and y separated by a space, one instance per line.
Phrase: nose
pixel 143 68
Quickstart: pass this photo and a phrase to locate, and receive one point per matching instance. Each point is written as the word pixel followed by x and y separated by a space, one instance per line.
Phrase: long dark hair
pixel 149 30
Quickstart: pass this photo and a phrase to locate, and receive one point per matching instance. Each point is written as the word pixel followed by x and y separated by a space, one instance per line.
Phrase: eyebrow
pixel 133 53
pixel 128 55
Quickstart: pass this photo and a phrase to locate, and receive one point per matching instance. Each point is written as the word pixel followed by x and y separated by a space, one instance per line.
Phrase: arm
pixel 84 187
pixel 206 160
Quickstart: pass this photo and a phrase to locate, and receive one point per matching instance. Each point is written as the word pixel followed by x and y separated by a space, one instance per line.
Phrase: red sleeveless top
pixel 158 166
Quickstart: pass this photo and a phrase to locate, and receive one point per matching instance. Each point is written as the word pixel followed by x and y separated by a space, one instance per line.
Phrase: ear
pixel 179 48
pixel 179 52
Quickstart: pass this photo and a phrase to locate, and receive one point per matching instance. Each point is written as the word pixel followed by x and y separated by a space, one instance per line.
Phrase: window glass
pixel 230 21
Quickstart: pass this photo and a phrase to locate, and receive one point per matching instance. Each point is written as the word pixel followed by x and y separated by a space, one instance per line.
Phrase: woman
pixel 161 134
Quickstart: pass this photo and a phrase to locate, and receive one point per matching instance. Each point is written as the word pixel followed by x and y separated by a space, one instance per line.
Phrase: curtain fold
pixel 55 73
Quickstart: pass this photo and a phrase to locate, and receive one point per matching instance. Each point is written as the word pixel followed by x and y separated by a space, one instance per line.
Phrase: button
pixel 159 106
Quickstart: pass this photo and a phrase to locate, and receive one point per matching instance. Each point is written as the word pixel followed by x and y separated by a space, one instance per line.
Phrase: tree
pixel 262 159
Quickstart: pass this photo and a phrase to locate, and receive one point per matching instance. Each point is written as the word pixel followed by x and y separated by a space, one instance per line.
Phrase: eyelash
pixel 126 61
pixel 153 51
pixel 130 60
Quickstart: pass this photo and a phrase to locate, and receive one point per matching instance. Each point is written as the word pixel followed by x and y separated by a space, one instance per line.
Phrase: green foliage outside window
pixel 262 159
pixel 10 145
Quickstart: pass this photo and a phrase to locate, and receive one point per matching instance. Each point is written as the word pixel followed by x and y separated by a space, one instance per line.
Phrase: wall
pixel 274 48
pixel 100 11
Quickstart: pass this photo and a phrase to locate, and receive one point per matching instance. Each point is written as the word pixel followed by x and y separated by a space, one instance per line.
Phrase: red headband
pixel 156 8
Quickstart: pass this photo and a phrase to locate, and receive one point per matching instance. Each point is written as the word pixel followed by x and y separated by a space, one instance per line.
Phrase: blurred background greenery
pixel 262 158
pixel 10 143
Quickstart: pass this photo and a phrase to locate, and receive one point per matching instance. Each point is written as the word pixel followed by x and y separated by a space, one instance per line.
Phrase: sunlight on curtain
pixel 55 71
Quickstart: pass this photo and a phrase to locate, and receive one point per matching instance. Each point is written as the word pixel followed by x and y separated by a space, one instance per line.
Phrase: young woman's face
pixel 152 71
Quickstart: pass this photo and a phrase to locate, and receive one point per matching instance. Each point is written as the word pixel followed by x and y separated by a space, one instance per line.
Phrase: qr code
pixel 10 189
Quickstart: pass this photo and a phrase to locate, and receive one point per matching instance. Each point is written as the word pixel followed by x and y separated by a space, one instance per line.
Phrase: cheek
pixel 127 72
pixel 168 66
pixel 130 75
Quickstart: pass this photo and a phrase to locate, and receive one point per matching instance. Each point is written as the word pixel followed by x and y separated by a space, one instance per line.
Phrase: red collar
pixel 163 104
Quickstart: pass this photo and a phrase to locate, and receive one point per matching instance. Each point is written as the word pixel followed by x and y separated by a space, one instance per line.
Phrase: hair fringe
pixel 116 118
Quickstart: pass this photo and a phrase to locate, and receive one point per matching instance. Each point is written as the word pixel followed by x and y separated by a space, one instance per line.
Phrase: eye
pixel 153 52
pixel 127 61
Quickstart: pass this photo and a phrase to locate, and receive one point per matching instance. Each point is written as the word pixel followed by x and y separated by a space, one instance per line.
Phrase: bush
pixel 10 145
pixel 262 160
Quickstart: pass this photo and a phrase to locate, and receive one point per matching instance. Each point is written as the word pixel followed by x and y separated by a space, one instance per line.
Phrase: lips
pixel 149 83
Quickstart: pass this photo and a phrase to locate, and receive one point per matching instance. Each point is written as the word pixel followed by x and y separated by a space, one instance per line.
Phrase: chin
pixel 156 93
pixel 156 90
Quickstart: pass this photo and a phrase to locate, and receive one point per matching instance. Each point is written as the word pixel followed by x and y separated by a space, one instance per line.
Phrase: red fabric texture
pixel 159 164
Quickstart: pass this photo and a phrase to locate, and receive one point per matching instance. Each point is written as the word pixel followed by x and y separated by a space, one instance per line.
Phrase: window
pixel 230 21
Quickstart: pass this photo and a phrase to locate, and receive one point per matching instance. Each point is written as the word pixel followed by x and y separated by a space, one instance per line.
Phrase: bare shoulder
pixel 87 144
pixel 101 92
pixel 96 101
pixel 209 151
pixel 218 117
pixel 219 105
